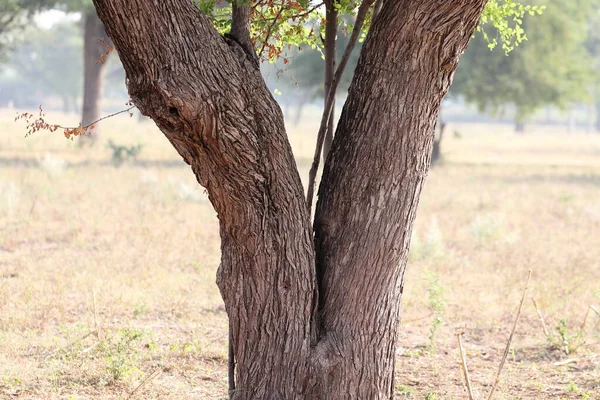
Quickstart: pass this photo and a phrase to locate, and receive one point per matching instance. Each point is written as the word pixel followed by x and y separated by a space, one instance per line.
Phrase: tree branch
pixel 331 33
pixel 269 31
pixel 240 27
pixel 330 99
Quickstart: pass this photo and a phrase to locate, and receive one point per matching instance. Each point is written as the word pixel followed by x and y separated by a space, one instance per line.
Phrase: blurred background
pixel 109 248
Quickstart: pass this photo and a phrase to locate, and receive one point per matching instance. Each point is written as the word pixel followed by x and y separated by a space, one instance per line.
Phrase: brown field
pixel 107 274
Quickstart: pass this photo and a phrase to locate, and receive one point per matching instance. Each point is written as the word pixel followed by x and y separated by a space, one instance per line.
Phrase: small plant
pixel 432 244
pixel 121 154
pixel 139 310
pixel 120 350
pixel 566 339
pixel 431 396
pixel 52 165
pixel 487 227
pixel 437 304
pixel 10 195
pixel 405 391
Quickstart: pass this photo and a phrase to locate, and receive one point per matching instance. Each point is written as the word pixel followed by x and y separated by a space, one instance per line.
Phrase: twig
pixel 510 338
pixel 585 318
pixel 360 19
pixel 565 362
pixel 148 378
pixel 463 359
pixel 269 31
pixel 109 116
pixel 539 313
pixel 594 309
pixel 96 324
pixel 70 344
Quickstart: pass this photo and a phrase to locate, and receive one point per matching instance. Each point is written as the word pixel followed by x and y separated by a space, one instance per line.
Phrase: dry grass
pixel 143 241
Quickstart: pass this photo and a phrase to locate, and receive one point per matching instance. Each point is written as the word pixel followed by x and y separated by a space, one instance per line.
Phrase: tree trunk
pixel 93 73
pixel 598 113
pixel 291 341
pixel 519 127
pixel 436 154
pixel 372 182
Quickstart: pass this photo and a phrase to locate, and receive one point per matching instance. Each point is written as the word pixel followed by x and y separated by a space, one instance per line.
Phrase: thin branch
pixel 295 16
pixel 127 110
pixel 270 31
pixel 463 359
pixel 331 34
pixel 585 318
pixel 147 379
pixel 539 313
pixel 360 19
pixel 510 338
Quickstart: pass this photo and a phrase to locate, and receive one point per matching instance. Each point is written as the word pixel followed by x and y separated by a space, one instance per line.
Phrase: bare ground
pixel 107 273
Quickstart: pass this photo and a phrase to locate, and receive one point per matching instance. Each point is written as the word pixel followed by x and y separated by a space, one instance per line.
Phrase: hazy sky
pixel 46 19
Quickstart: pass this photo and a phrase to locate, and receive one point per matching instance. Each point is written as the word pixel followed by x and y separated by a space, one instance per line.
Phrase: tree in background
pixel 551 67
pixel 15 15
pixel 47 62
pixel 592 46
pixel 95 50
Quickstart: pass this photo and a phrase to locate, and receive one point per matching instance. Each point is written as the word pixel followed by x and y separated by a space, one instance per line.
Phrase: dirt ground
pixel 107 272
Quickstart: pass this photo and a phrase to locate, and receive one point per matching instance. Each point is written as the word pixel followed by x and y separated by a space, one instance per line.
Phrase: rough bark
pixel 207 96
pixel 93 73
pixel 371 185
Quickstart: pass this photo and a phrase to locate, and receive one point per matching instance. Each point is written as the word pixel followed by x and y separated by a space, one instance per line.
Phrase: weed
pixel 139 310
pixel 121 153
pixel 52 165
pixel 437 304
pixel 432 244
pixel 487 227
pixel 120 350
pixel 10 194
pixel 405 391
pixel 566 338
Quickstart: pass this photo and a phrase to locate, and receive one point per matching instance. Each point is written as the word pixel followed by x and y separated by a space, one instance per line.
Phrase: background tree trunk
pixel 436 153
pixel 93 73
pixel 211 102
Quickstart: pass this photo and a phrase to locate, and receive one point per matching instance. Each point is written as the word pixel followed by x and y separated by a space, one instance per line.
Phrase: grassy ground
pixel 107 273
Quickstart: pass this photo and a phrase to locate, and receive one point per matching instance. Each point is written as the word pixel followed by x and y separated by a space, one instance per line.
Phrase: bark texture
pixel 210 101
pixel 93 73
pixel 207 96
pixel 372 182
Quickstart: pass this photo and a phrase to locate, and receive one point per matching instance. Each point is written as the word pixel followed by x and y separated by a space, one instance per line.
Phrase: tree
pixel 550 68
pixel 14 16
pixel 96 47
pixel 313 310
pixel 33 65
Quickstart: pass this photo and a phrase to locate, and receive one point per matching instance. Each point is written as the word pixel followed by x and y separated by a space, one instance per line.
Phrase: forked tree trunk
pixel 290 340
pixel 93 73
